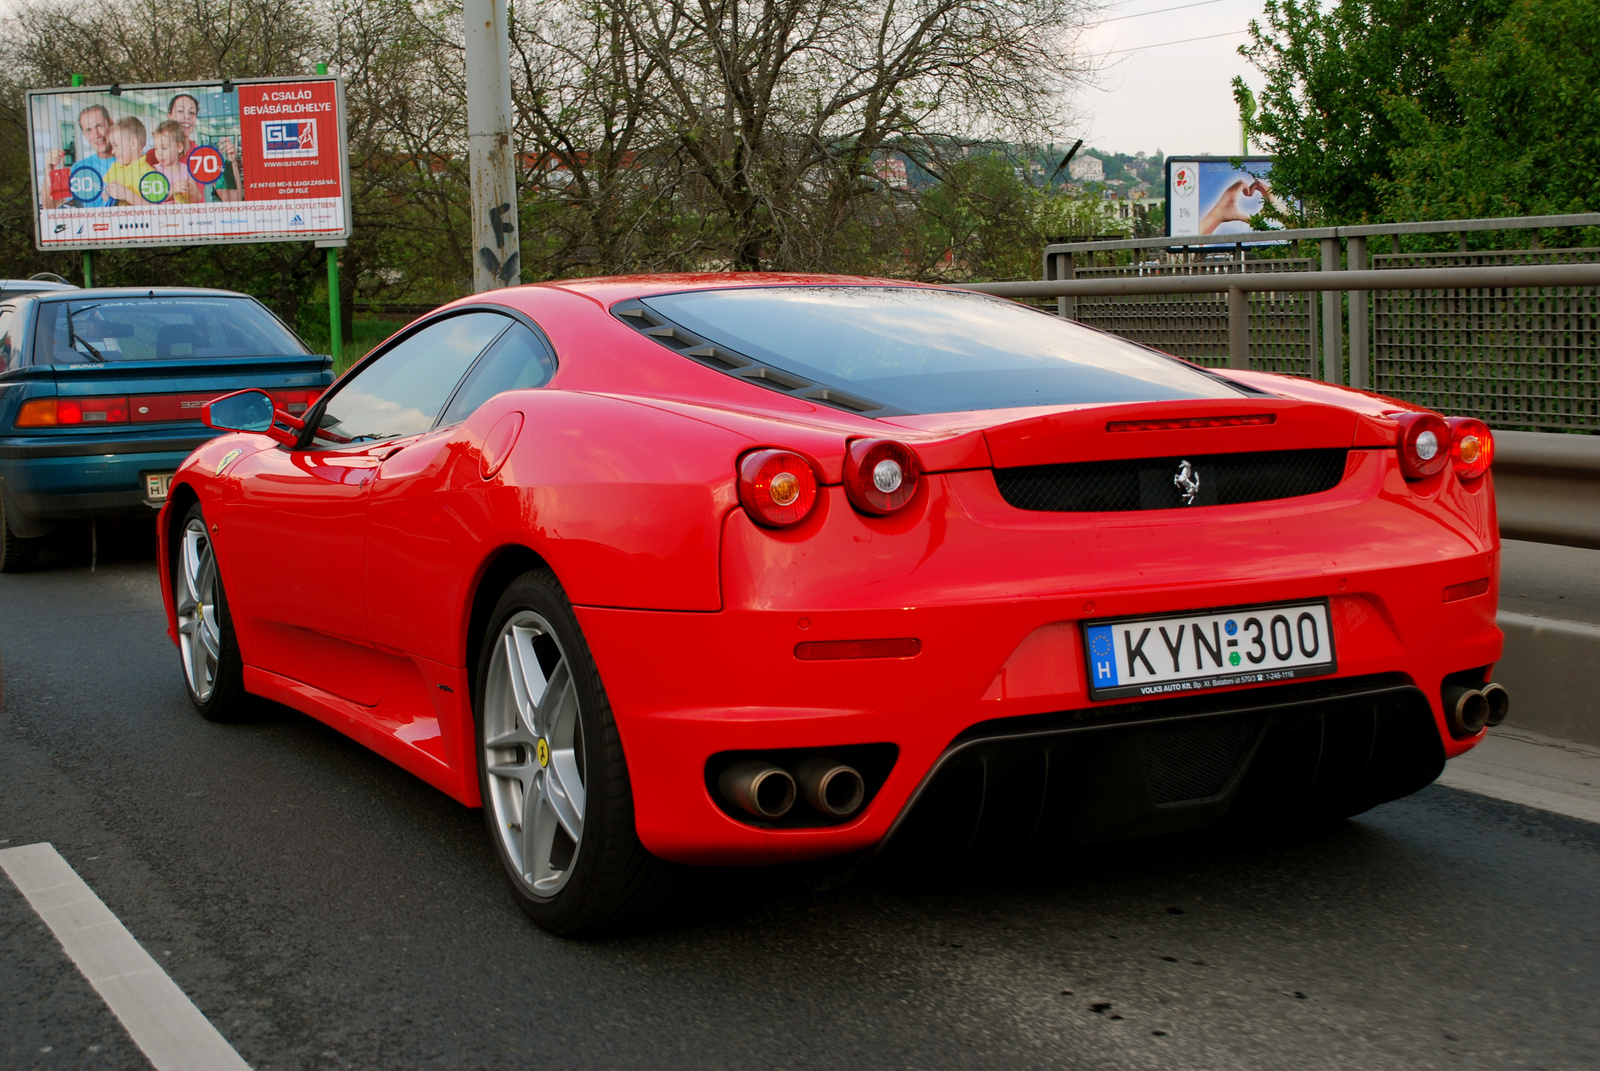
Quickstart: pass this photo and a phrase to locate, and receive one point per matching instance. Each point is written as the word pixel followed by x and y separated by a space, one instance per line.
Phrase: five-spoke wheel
pixel 211 665
pixel 533 752
pixel 555 788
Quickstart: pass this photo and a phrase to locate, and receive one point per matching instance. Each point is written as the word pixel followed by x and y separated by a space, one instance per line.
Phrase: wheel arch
pixel 499 570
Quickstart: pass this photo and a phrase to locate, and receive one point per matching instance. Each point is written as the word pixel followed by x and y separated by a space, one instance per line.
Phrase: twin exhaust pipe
pixel 767 791
pixel 1470 710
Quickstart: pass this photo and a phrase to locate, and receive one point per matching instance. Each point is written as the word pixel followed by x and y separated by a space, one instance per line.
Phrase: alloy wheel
pixel 199 629
pixel 534 753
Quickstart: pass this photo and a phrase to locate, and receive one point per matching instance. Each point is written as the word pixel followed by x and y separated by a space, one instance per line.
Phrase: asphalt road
pixel 326 910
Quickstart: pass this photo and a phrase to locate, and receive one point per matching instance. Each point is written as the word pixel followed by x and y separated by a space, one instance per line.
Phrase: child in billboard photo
pixel 122 178
pixel 171 149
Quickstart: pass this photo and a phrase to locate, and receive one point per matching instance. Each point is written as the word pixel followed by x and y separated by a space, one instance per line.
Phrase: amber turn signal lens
pixel 1471 447
pixel 777 487
pixel 1424 445
pixel 881 475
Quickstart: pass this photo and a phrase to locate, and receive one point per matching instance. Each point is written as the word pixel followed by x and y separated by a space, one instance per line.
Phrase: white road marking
pixel 163 1022
pixel 1533 770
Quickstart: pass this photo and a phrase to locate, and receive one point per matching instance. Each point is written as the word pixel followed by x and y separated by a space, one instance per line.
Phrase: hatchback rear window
pixel 158 329
pixel 932 351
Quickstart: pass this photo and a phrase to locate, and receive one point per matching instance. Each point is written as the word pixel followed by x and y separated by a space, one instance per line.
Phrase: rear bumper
pixel 53 479
pixel 685 687
pixel 997 599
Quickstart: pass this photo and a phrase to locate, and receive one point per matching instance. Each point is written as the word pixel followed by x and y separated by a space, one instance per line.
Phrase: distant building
pixel 1087 168
pixel 891 171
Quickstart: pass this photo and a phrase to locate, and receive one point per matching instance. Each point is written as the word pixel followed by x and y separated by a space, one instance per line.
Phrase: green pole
pixel 337 334
pixel 335 331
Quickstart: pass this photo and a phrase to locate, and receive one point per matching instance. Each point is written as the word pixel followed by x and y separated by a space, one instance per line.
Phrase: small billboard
pixel 189 163
pixel 1219 195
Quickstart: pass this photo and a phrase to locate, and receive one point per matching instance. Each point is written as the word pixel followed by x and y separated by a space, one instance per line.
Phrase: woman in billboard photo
pixel 184 110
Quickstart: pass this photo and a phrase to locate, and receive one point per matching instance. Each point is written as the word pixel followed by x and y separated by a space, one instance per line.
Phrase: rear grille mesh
pixel 1196 761
pixel 1150 483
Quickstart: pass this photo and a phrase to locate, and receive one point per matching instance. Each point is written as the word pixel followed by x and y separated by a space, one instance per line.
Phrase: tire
pixel 555 769
pixel 17 555
pixel 208 649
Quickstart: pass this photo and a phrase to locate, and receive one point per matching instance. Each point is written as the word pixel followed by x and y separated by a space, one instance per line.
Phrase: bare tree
pixel 782 105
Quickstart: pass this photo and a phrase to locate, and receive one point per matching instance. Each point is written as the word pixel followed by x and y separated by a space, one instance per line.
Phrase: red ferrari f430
pixel 741 569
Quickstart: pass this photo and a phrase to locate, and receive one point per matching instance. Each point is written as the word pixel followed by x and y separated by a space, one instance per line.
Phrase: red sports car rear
pixel 745 569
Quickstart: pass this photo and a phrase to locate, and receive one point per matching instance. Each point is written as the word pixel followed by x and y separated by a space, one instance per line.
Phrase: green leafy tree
pixel 1327 111
pixel 1527 142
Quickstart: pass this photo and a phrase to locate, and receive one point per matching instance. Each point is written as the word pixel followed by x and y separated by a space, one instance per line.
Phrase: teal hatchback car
pixel 101 392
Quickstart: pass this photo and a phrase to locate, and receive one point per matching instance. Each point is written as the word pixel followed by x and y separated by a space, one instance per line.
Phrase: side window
pixel 519 360
pixel 9 357
pixel 402 391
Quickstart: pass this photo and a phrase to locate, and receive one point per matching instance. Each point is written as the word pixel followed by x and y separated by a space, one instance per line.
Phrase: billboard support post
pixel 88 268
pixel 496 258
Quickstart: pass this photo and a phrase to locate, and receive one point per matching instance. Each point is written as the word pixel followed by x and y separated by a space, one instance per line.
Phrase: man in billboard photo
pixel 93 150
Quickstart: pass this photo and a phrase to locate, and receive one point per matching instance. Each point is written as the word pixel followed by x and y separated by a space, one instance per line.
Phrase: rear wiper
pixel 72 336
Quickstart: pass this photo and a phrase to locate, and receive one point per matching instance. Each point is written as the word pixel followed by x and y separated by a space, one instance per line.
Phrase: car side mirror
pixel 244 410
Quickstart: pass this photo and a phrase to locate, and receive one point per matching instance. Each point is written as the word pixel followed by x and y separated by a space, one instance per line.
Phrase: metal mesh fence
pixel 1516 358
pixel 1195 326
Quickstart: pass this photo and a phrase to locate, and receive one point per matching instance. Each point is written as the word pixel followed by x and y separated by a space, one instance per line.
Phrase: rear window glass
pixel 158 329
pixel 932 351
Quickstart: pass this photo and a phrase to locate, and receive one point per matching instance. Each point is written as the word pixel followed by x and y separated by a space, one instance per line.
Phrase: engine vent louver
pixel 680 340
pixel 1155 483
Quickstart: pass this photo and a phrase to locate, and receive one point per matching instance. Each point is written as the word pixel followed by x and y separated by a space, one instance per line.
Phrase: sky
pixel 1178 97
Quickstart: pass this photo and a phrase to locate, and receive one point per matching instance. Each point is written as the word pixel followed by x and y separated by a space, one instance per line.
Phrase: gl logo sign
pixel 1187 481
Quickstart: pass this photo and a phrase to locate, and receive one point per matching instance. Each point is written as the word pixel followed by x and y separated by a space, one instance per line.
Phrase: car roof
pixel 77 294
pixel 608 290
pixel 20 287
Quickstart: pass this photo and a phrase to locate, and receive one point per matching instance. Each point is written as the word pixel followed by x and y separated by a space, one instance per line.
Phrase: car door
pixel 295 541
pixel 421 509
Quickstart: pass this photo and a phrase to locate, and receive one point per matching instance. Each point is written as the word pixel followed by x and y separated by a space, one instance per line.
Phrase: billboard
pixel 1218 195
pixel 189 163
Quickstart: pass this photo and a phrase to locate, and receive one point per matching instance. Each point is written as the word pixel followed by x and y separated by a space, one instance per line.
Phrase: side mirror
pixel 244 410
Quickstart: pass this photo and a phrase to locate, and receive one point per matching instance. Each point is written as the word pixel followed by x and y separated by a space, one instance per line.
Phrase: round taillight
pixel 778 487
pixel 881 475
pixel 1471 447
pixel 1424 445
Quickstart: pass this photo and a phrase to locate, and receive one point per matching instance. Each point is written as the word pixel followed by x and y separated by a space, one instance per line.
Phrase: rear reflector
pixel 1181 423
pixel 831 649
pixel 1456 592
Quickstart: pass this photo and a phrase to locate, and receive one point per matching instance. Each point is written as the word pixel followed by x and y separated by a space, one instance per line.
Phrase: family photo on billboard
pixel 142 147
pixel 189 163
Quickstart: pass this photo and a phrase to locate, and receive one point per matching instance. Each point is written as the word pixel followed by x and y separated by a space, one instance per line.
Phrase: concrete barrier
pixel 1552 669
pixel 1547 487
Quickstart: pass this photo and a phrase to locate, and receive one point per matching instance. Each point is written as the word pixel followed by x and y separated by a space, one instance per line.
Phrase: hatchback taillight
pixel 295 402
pixel 881 475
pixel 1471 447
pixel 778 487
pixel 1424 445
pixel 72 412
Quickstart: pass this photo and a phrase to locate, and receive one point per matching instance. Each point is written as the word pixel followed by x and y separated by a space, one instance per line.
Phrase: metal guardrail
pixel 1238 285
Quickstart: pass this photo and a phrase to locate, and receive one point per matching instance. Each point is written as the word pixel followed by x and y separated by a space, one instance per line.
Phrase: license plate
pixel 157 484
pixel 1175 653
